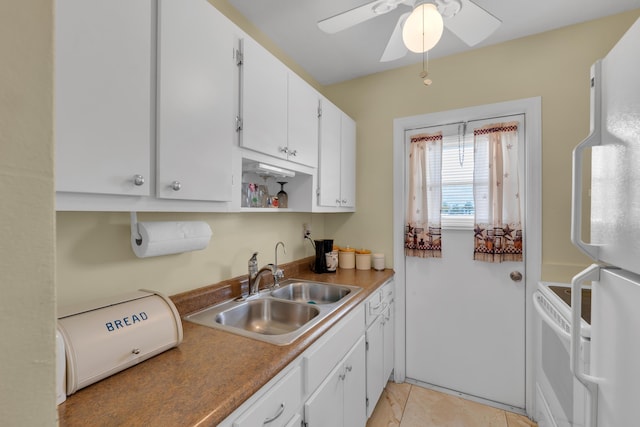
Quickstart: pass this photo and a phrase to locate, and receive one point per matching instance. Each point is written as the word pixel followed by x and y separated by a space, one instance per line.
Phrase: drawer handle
pixel 382 306
pixel 280 411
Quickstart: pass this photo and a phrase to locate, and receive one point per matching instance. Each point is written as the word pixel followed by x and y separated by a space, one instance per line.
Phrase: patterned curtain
pixel 498 224
pixel 422 226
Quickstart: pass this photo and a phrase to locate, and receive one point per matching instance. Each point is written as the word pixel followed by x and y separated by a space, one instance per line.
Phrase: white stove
pixel 561 400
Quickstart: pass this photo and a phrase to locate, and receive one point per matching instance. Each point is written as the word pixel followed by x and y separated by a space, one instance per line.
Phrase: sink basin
pixel 311 292
pixel 267 316
pixel 278 316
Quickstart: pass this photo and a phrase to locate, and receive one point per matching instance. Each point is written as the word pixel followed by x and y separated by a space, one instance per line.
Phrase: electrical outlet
pixel 306 229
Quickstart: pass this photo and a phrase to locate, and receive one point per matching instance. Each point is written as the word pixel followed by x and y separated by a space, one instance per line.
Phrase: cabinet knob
pixel 293 152
pixel 176 186
pixel 284 150
pixel 344 201
pixel 138 180
pixel 349 368
pixel 338 201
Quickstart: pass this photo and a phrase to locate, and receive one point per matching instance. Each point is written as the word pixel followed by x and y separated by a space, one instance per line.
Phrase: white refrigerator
pixel 613 373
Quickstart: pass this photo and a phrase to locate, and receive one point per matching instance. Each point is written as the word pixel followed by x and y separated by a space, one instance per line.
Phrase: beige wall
pixel 95 259
pixel 27 304
pixel 553 65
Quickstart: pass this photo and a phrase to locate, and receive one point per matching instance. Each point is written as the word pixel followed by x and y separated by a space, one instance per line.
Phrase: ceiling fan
pixel 464 18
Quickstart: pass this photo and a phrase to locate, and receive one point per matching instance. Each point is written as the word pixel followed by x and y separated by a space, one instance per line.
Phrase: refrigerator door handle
pixel 594 138
pixel 590 382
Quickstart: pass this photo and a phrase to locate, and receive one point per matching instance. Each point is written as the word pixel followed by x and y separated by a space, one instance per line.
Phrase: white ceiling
pixel 355 52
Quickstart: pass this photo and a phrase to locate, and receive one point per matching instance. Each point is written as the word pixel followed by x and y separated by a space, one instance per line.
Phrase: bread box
pixel 107 337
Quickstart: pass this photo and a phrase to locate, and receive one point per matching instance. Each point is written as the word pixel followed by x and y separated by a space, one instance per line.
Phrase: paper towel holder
pixel 134 229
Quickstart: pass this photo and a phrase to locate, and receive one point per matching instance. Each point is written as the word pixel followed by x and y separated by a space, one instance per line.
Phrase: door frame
pixel 532 108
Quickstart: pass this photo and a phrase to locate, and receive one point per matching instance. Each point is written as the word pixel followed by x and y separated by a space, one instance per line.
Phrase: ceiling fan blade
pixel 472 24
pixel 355 16
pixel 395 47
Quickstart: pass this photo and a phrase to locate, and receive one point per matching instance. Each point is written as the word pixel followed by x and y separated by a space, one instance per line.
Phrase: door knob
pixel 516 276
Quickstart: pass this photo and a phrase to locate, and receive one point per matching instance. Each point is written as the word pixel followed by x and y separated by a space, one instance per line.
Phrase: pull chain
pixel 461 142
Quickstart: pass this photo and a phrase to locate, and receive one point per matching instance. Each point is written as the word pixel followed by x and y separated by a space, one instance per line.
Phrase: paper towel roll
pixel 169 237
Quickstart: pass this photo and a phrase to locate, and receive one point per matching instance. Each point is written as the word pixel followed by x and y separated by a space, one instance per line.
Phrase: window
pixel 457 178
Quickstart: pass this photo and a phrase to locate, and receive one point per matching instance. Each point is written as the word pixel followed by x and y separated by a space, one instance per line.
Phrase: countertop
pixel 212 372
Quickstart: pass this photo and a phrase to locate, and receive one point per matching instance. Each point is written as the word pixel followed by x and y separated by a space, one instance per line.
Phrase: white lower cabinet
pixel 340 399
pixel 379 342
pixel 326 386
pixel 279 405
pixel 375 363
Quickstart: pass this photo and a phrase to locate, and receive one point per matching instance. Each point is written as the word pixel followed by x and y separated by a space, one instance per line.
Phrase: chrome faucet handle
pixel 277 275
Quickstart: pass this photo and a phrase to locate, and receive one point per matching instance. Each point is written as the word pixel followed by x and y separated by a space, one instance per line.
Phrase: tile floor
pixel 407 405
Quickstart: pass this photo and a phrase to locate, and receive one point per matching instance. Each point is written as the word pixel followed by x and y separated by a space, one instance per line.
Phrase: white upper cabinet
pixel 347 162
pixel 279 109
pixel 337 165
pixel 302 136
pixel 264 101
pixel 103 98
pixel 196 71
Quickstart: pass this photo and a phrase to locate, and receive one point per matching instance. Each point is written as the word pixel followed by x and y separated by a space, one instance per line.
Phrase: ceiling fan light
pixel 423 28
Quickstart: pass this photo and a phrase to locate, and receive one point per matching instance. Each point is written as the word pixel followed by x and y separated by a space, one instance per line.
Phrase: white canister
pixel 347 259
pixel 363 261
pixel 378 261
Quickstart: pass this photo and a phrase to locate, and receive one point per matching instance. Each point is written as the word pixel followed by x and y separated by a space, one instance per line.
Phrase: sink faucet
pixel 254 282
pixel 278 273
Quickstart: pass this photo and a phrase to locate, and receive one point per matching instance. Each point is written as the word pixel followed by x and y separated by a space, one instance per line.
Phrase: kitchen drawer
pixel 378 302
pixel 280 404
pixel 331 348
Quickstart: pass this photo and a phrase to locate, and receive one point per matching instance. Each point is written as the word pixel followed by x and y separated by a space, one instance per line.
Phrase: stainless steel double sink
pixel 280 315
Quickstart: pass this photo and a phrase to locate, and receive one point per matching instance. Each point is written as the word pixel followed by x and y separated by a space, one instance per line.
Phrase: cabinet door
pixel 195 101
pixel 302 140
pixel 375 363
pixel 389 342
pixel 355 388
pixel 264 101
pixel 330 153
pixel 103 68
pixel 348 163
pixel 325 406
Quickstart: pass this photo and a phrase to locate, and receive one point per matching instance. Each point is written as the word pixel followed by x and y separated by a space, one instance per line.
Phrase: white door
pixel 302 122
pixel 355 386
pixel 264 101
pixel 330 154
pixel 615 349
pixel 195 117
pixel 376 380
pixel 103 96
pixel 465 319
